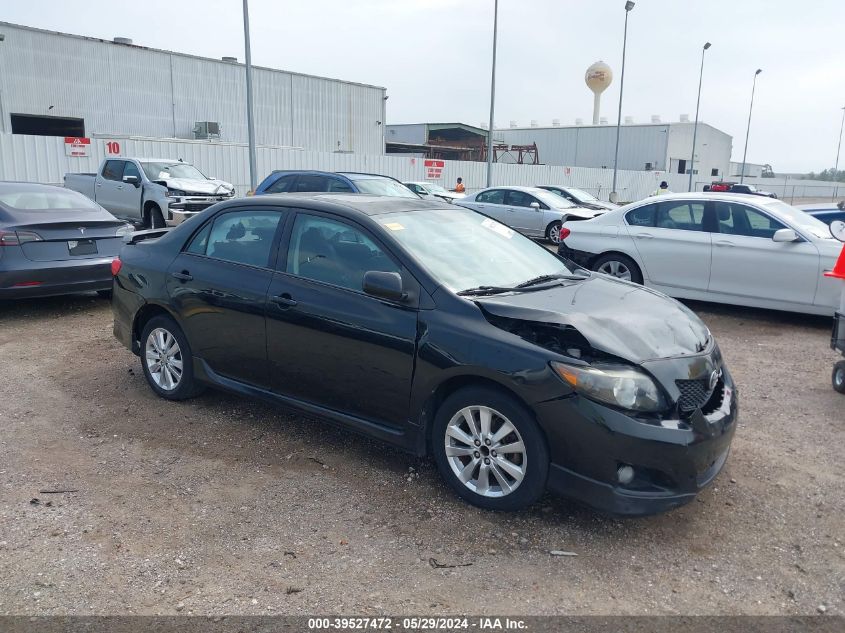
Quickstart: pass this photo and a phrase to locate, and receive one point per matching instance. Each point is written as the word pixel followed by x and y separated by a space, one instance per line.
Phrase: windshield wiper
pixel 484 290
pixel 543 278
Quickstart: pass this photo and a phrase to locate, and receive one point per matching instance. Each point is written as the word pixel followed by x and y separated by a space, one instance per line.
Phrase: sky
pixel 434 57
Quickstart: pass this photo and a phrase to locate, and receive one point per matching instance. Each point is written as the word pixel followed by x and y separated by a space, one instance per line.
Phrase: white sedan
pixel 722 247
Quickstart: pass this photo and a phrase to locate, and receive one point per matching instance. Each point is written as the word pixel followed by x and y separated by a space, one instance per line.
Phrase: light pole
pixel 695 127
pixel 492 97
pixel 839 147
pixel 613 195
pixel 748 129
pixel 250 123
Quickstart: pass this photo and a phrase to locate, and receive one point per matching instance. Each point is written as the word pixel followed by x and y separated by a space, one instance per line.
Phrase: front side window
pixel 335 253
pixel 643 216
pixel 463 249
pixel 686 216
pixel 113 170
pixel 131 170
pixel 494 196
pixel 519 199
pixel 738 219
pixel 242 237
pixel 311 182
pixel 336 185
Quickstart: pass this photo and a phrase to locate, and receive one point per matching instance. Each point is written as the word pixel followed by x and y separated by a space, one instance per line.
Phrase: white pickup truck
pixel 153 192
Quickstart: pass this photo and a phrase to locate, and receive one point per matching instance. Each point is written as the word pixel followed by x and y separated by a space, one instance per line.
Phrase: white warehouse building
pixel 664 147
pixel 56 84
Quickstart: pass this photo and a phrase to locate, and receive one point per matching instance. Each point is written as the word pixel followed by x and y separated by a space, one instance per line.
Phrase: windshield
pixel 435 188
pixel 164 171
pixel 799 219
pixel 463 249
pixel 552 199
pixel 582 195
pixel 47 200
pixel 383 187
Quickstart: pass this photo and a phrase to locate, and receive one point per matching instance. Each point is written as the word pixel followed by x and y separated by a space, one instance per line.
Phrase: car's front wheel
pixel 167 360
pixel 490 450
pixel 619 266
pixel 838 377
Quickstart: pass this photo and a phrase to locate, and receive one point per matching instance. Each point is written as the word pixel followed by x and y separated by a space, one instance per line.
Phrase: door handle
pixel 183 276
pixel 284 301
pixel 644 236
pixel 120 187
pixel 724 243
pixel 99 184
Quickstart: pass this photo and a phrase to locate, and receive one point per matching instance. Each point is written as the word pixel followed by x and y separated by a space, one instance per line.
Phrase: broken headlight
pixel 617 385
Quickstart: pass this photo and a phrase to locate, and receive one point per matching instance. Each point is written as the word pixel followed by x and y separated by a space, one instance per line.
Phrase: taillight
pixel 16 238
pixel 564 233
pixel 116 265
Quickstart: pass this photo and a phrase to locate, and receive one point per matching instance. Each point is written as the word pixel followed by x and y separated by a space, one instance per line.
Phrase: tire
pixel 155 219
pixel 838 376
pixel 504 491
pixel 553 232
pixel 619 266
pixel 161 332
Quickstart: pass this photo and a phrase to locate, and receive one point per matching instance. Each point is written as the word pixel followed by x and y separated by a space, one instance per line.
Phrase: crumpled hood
pixel 205 187
pixel 582 212
pixel 616 317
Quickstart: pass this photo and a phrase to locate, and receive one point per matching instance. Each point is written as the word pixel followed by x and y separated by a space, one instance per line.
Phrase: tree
pixel 828 175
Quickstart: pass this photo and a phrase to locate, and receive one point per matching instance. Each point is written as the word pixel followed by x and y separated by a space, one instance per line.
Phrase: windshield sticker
pixel 394 226
pixel 494 226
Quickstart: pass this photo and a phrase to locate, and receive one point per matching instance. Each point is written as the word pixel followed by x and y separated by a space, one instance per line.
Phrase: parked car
pixel 720 186
pixel 472 343
pixel 54 241
pixel 722 247
pixel 580 198
pixel 333 182
pixel 433 191
pixel 153 192
pixel 750 189
pixel 532 211
pixel 827 212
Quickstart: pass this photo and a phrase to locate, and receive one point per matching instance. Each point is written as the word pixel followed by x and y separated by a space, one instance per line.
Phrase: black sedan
pixel 442 332
pixel 54 241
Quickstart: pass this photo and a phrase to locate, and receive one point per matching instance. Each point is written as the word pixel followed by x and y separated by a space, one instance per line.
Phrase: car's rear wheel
pixel 838 377
pixel 619 266
pixel 167 360
pixel 490 450
pixel 553 232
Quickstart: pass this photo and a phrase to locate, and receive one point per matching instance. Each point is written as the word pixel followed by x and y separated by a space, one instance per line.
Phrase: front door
pixel 748 263
pixel 130 198
pixel 330 344
pixel 524 218
pixel 218 285
pixel 492 203
pixel 673 244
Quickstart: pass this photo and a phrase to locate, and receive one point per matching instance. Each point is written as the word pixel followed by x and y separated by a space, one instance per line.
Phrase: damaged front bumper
pixel 669 460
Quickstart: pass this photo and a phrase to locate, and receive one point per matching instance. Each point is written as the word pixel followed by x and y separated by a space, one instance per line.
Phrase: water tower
pixel 598 78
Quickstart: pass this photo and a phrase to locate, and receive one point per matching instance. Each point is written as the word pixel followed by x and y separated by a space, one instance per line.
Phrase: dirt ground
pixel 224 506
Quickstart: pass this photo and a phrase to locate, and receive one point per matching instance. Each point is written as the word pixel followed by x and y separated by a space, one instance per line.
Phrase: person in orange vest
pixel 459 188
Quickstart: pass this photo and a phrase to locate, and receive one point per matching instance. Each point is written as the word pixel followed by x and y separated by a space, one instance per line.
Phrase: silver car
pixel 530 210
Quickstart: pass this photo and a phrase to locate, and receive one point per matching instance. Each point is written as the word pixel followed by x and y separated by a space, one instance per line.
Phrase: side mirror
pixel 132 180
pixel 785 235
pixel 384 285
pixel 535 206
pixel 837 230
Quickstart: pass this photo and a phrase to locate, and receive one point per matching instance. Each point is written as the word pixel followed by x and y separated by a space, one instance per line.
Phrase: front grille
pixel 197 206
pixel 694 394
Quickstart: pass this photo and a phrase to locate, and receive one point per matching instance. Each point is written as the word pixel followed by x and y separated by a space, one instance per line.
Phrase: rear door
pixel 673 244
pixel 218 285
pixel 522 217
pixel 747 263
pixel 109 186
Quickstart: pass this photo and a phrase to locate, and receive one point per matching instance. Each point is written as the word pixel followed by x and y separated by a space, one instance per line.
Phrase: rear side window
pixel 281 185
pixel 495 196
pixel 643 216
pixel 113 170
pixel 243 237
pixel 685 216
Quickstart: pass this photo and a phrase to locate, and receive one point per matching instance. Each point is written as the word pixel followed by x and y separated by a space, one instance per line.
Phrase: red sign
pixel 434 168
pixel 77 145
pixel 113 148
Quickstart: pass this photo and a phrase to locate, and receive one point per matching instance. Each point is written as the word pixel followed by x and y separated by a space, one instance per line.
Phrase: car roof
pixel 344 203
pixel 533 190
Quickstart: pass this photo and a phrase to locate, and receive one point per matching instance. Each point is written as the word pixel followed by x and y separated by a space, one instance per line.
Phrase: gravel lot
pixel 222 505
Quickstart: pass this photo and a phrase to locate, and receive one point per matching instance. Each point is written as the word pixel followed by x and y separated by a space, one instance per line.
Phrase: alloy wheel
pixel 615 269
pixel 485 451
pixel 164 359
pixel 554 233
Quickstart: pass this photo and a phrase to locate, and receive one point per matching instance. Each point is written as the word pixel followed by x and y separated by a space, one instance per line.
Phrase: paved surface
pixel 221 505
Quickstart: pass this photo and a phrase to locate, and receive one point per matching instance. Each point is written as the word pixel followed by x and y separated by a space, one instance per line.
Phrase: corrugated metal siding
pixel 42 159
pixel 127 90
